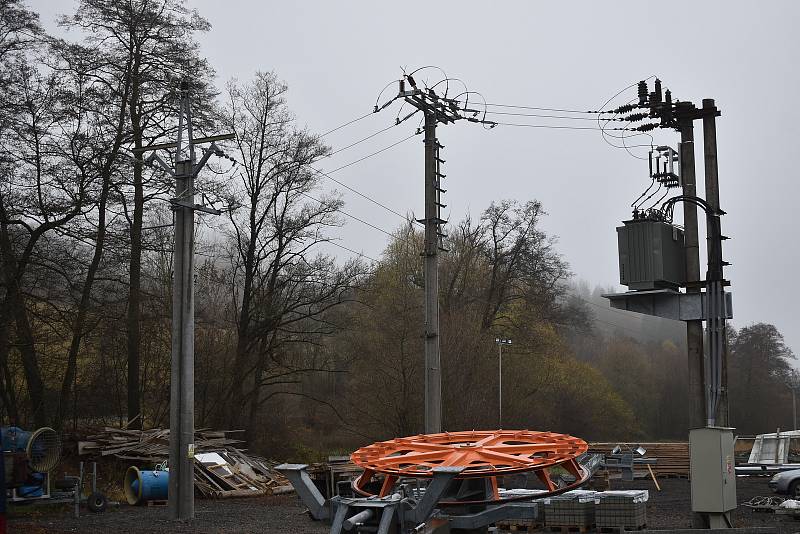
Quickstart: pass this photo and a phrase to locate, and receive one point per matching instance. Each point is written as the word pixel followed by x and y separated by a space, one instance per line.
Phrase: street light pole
pixel 794 382
pixel 500 342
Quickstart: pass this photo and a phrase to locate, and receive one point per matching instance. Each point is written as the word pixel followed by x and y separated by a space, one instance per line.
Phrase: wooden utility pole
pixel 181 415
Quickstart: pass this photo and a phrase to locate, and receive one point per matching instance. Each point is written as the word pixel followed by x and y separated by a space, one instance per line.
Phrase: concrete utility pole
pixel 181 417
pixel 433 366
pixel 694 329
pixel 435 109
pixel 717 327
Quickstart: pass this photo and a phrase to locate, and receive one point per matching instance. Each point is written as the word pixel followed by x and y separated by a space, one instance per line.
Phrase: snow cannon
pixel 144 486
pixel 41 448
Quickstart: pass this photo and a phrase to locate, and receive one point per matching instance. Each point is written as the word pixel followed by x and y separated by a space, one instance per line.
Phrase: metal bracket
pixel 668 303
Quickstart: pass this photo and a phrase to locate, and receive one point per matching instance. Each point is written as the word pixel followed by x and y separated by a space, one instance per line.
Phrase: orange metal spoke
pixel 502 456
pixel 411 457
pixel 526 448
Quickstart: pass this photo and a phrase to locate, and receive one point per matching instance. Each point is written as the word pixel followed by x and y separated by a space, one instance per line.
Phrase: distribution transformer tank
pixel 651 255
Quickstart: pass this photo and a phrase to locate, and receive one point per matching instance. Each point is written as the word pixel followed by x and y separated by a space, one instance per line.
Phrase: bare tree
pixel 45 187
pixel 148 45
pixel 282 287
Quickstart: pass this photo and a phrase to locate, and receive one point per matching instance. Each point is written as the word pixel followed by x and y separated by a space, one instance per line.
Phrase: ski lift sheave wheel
pixel 481 453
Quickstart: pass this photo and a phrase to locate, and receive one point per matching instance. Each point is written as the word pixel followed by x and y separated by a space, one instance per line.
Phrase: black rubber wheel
pixel 794 490
pixel 97 502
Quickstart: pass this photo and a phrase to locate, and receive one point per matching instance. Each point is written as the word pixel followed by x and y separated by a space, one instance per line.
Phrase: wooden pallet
pixel 566 530
pixel 517 528
pixel 522 526
pixel 620 529
pixel 157 503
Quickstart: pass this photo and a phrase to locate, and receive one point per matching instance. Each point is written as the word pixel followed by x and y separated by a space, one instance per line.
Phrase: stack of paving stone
pixel 573 509
pixel 621 509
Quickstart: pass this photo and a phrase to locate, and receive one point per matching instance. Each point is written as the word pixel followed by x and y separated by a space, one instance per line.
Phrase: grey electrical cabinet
pixel 713 470
pixel 651 255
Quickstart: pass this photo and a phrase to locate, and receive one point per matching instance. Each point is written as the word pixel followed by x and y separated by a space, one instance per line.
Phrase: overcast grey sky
pixel 337 55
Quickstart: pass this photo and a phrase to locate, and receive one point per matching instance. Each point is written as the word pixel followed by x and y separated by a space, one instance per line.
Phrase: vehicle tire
pixel 97 502
pixel 794 490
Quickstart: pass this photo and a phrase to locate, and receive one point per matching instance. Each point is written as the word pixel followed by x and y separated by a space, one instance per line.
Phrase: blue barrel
pixel 143 486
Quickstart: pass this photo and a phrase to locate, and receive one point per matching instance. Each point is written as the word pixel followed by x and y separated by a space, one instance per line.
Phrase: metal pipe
pixel 359 519
pixel 78 491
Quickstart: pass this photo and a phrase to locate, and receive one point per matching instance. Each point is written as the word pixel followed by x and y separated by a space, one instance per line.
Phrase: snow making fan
pixel 41 447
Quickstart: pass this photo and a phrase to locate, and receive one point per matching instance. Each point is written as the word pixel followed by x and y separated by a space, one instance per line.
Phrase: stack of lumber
pixel 672 458
pixel 147 445
pixel 220 469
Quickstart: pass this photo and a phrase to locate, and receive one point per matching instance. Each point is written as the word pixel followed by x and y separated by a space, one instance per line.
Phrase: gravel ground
pixel 284 514
pixel 670 507
pixel 268 515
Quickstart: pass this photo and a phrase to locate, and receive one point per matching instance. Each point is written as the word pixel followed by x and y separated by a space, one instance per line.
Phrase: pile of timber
pixel 672 459
pixel 220 469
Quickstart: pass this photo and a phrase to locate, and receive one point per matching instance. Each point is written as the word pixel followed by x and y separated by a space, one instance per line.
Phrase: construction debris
pixel 220 469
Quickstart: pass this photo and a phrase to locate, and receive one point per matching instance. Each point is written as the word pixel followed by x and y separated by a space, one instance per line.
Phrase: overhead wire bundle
pixel 474 108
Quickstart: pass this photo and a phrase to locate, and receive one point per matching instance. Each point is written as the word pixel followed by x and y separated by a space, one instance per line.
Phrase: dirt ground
pixel 284 514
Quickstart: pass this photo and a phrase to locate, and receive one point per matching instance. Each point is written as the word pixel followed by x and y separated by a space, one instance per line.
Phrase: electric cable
pixel 367 138
pixel 603 133
pixel 334 243
pixel 555 127
pixel 511 113
pixel 354 190
pixel 561 110
pixel 634 203
pixel 348 123
pixel 373 154
pixel 359 193
pixel 323 203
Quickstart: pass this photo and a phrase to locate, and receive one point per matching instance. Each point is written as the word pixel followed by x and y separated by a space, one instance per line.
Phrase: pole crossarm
pixel 199 140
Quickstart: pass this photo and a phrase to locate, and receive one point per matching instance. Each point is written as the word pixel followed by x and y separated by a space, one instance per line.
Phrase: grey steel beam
pixel 306 489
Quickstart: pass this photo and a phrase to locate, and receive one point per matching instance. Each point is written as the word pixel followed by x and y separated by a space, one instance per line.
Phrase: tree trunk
pixel 27 350
pixel 16 308
pixel 83 309
pixel 7 392
pixel 135 267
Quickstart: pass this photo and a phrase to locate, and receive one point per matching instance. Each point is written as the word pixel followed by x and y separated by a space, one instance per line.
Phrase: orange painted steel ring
pixel 482 453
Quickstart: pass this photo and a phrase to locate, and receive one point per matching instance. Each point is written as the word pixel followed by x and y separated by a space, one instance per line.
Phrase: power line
pixel 348 123
pixel 354 190
pixel 373 154
pixel 515 114
pixel 554 127
pixel 359 193
pixel 323 203
pixel 359 141
pixel 543 109
pixel 334 243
